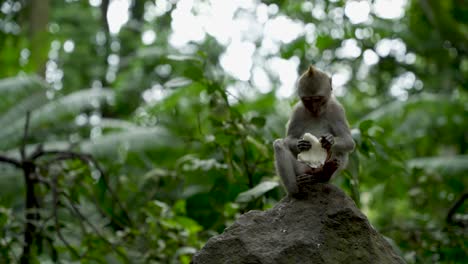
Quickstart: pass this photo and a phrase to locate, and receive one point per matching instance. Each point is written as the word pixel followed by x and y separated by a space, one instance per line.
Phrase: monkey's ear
pixel 311 70
pixel 331 85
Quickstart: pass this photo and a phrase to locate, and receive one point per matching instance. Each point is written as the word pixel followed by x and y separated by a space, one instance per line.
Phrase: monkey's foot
pixel 316 175
pixel 305 181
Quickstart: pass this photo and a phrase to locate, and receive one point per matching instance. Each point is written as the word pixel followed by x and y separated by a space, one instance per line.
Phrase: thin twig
pixel 11 161
pixel 454 209
pixel 93 196
pixel 44 223
pixel 86 158
pixel 54 254
pixel 72 211
pixel 56 219
pixel 246 164
pixel 31 177
pixel 115 220
pixel 94 228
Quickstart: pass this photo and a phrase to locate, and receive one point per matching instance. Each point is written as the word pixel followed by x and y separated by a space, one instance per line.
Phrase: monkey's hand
pixel 303 145
pixel 327 141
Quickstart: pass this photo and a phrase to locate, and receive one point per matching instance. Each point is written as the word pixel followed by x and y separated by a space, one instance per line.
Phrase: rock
pixel 324 226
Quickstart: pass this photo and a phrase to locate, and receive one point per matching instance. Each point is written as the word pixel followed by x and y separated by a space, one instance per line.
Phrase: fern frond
pixel 117 124
pixel 256 191
pixel 457 163
pixel 111 145
pixel 19 110
pixel 55 111
pixel 136 140
pixel 398 108
pixel 17 88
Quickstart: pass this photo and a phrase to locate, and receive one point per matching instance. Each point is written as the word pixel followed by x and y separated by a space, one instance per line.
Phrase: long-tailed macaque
pixel 318 113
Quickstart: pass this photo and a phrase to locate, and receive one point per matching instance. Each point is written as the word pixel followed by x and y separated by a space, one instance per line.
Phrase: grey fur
pixel 329 119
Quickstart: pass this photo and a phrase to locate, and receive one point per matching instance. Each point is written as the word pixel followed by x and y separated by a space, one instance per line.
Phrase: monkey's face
pixel 314 89
pixel 314 103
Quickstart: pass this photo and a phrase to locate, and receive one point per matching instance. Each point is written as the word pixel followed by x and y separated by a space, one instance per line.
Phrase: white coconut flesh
pixel 315 157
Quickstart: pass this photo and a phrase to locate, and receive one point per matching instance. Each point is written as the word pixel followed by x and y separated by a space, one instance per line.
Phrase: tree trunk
pixel 39 43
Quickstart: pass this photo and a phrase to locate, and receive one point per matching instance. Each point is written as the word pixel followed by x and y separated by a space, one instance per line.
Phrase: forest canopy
pixel 133 131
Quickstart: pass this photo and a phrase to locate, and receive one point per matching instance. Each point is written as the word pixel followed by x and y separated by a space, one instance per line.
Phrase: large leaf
pixel 15 89
pixel 177 82
pixel 20 109
pixel 256 191
pixel 131 141
pixel 55 111
pixel 20 85
pixel 457 163
pixel 397 108
pixel 176 98
pixel 117 124
pixel 112 145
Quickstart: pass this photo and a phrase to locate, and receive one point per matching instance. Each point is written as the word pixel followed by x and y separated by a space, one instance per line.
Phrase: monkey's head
pixel 314 89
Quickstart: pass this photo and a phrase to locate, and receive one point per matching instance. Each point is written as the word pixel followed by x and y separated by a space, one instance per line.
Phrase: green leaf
pixel 261 147
pixel 397 108
pixel 55 111
pixel 177 82
pixel 21 85
pixel 150 53
pixel 117 124
pixel 258 121
pixel 130 141
pixel 184 251
pixel 365 125
pixel 20 109
pixel 175 98
pixel 176 57
pixel 325 42
pixel 16 89
pixel 114 145
pixel 257 191
pixel 457 163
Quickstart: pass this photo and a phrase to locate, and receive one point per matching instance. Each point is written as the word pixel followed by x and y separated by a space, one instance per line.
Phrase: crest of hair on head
pixel 311 71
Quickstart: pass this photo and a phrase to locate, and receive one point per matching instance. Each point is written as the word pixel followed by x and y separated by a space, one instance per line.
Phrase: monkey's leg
pixel 287 166
pixel 306 180
pixel 341 159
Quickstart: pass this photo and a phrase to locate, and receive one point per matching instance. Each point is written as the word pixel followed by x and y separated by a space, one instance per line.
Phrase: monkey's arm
pixel 340 129
pixel 291 143
pixel 295 130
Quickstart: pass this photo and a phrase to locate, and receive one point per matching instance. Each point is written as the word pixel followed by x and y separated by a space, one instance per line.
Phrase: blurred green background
pixel 180 101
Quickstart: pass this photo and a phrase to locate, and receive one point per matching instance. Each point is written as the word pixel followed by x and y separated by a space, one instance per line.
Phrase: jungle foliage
pixel 93 171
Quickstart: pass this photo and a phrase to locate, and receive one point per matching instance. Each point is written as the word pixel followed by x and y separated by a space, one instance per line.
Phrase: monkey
pixel 317 112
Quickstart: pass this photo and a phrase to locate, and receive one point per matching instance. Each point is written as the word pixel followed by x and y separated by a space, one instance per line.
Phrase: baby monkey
pixel 318 113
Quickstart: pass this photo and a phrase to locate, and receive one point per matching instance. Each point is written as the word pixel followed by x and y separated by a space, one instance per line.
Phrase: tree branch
pixel 11 161
pixel 454 209
pixel 88 159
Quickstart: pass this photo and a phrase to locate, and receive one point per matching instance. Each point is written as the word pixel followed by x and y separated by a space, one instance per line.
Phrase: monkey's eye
pixel 312 98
